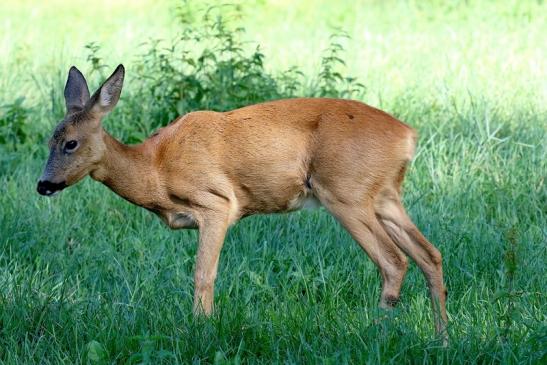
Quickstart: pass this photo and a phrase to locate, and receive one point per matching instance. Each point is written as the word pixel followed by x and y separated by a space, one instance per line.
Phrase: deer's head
pixel 77 145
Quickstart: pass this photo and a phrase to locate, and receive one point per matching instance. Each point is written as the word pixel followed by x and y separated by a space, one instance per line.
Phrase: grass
pixel 87 278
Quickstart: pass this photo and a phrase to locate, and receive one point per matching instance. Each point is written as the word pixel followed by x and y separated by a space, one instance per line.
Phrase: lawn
pixel 86 277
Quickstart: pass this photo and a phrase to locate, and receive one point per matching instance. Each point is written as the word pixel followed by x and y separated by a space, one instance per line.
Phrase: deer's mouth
pixel 49 188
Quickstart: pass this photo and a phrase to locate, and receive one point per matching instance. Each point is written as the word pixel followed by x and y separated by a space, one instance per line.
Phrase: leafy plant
pixel 219 76
pixel 94 59
pixel 330 82
pixel 209 66
pixel 14 126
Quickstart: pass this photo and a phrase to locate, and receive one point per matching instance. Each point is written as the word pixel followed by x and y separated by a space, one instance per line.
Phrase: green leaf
pixel 96 353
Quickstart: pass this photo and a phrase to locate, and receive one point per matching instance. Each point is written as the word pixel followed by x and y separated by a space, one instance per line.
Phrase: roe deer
pixel 207 170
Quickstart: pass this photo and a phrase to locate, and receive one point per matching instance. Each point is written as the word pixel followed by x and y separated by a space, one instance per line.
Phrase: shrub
pixel 209 66
pixel 14 126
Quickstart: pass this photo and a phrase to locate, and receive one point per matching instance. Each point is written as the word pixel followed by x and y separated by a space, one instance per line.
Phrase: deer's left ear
pixel 107 96
pixel 76 91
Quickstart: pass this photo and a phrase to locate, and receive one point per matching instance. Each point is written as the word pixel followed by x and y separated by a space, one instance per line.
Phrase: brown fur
pixel 207 170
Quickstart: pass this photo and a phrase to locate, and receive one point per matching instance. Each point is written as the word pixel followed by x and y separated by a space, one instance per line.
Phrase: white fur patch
pixel 304 202
pixel 311 202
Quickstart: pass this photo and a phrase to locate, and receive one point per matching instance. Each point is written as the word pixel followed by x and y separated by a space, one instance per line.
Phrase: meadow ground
pixel 87 278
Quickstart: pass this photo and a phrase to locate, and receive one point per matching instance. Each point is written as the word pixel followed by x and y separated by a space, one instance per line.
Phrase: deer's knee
pixel 436 257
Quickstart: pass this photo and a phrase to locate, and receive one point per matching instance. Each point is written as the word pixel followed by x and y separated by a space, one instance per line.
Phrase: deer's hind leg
pixel 361 222
pixel 407 236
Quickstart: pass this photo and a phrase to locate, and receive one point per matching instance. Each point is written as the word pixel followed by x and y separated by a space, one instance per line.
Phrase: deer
pixel 206 170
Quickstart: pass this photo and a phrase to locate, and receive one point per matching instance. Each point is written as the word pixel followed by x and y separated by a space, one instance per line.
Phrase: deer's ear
pixel 107 96
pixel 76 91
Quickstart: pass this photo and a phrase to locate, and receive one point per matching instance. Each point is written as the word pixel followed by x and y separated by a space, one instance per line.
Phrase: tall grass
pixel 87 278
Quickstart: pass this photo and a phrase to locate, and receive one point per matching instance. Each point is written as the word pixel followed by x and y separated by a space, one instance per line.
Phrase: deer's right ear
pixel 76 91
pixel 106 98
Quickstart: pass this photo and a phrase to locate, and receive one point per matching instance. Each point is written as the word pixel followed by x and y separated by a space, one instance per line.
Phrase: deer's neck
pixel 128 171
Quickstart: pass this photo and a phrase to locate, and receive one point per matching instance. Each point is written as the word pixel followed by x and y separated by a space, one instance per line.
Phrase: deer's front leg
pixel 211 238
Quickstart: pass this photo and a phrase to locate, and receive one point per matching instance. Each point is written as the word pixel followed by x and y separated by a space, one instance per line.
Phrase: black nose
pixel 48 187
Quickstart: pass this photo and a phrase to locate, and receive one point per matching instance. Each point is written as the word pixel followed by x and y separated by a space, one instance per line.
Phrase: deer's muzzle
pixel 49 188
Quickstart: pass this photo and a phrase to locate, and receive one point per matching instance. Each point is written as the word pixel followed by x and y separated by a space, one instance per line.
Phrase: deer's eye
pixel 71 146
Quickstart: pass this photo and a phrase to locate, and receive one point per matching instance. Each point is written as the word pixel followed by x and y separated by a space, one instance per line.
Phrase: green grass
pixel 87 278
